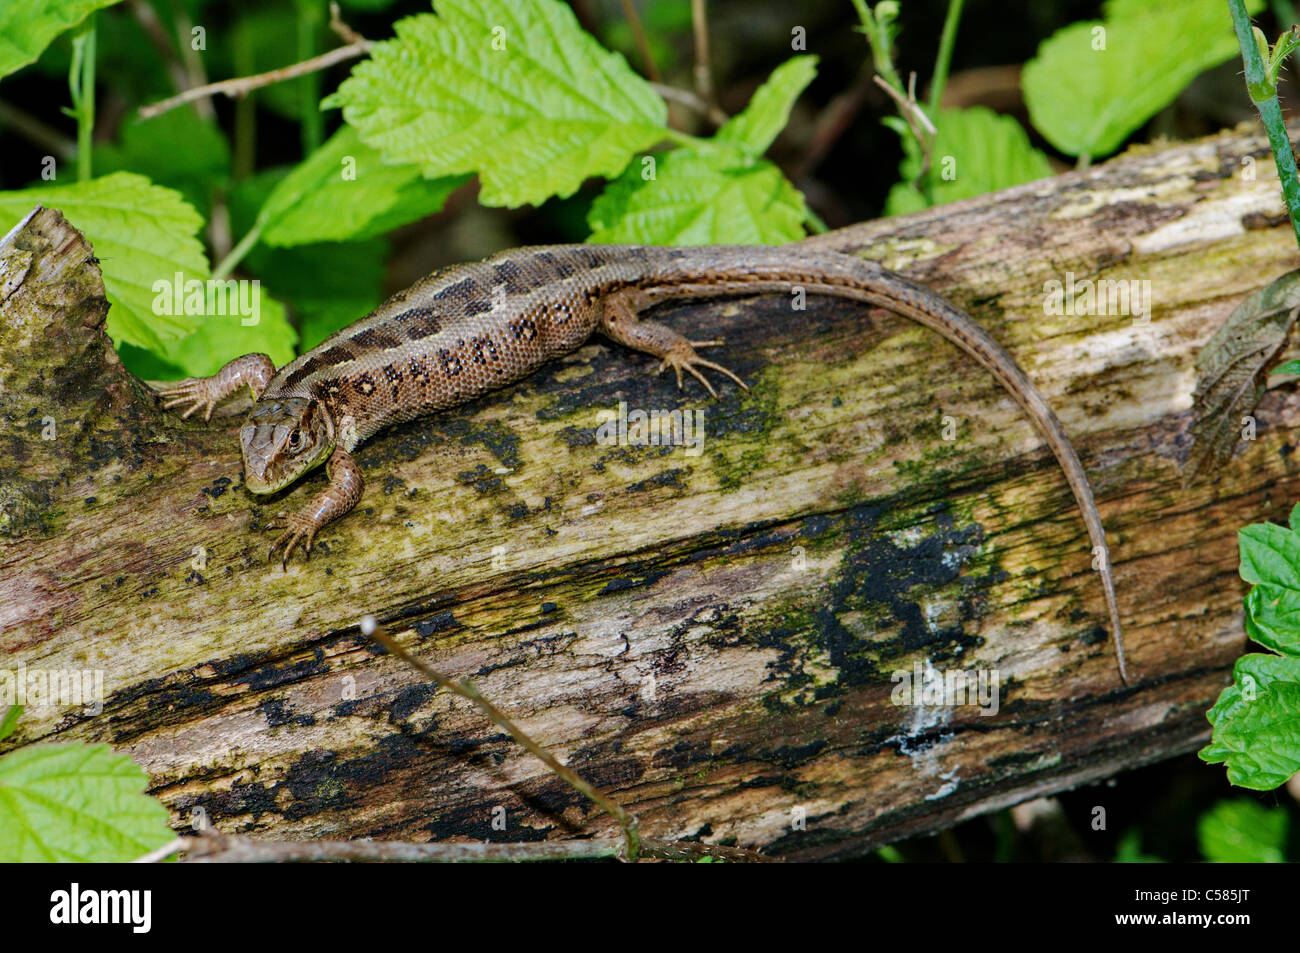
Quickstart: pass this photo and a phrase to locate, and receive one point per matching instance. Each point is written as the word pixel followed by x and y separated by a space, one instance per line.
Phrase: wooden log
pixel 710 636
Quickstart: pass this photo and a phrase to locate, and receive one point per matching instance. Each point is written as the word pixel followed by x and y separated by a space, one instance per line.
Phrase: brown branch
pixel 642 41
pixel 703 74
pixel 243 85
pixel 464 688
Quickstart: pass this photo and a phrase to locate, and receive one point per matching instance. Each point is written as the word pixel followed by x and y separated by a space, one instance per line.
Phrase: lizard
pixel 472 328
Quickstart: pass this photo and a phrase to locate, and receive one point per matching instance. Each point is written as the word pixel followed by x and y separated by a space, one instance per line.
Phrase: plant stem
pixel 310 21
pixel 227 264
pixel 81 83
pixel 946 41
pixel 1264 96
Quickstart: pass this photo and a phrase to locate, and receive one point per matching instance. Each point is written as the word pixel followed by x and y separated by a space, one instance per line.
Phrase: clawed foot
pixel 685 358
pixel 195 391
pixel 298 527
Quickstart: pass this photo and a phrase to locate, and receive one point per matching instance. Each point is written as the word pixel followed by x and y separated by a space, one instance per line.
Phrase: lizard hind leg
pixel 620 323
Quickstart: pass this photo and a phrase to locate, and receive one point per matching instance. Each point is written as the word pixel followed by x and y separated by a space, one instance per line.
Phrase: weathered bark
pixel 710 638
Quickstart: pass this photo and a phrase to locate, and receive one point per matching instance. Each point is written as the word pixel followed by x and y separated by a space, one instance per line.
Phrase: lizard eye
pixel 295 440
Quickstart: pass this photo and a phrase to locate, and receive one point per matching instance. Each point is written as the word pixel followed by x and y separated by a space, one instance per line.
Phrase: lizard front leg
pixel 619 321
pixel 252 370
pixel 343 492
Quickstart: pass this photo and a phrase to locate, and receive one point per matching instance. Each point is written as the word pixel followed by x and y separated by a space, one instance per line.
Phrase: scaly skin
pixel 473 328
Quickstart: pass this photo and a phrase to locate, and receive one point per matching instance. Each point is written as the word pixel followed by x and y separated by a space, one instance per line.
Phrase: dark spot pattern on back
pixel 375 338
pixel 524 329
pixel 510 276
pixel 365 384
pixel 464 288
pixel 477 306
pixel 419 372
pixel 330 358
pixel 394 378
pixel 484 349
pixel 451 365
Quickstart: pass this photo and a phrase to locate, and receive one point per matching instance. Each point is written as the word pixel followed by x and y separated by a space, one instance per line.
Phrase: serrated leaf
pixel 1259 740
pixel 27 28
pixel 1242 831
pixel 511 89
pixel 1269 554
pixel 700 197
pixel 344 191
pixel 1251 673
pixel 150 149
pixel 769 108
pixel 1087 101
pixel 141 233
pixel 76 802
pixel 1273 614
pixel 975 152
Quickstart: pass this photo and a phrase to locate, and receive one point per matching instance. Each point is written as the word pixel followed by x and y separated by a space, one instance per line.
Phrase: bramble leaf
pixel 344 191
pixel 1095 82
pixel 76 802
pixel 511 89
pixel 141 233
pixel 975 152
pixel 700 197
pixel 26 29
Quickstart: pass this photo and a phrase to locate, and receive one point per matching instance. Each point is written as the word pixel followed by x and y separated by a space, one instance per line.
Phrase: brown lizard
pixel 469 329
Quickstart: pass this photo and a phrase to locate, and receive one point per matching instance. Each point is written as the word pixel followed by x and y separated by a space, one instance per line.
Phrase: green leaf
pixel 1242 831
pixel 1087 101
pixel 76 802
pixel 1258 740
pixel 10 721
pixel 26 28
pixel 1129 850
pixel 511 89
pixel 327 285
pixel 150 148
pixel 1251 673
pixel 222 338
pixel 344 191
pixel 769 107
pixel 975 152
pixel 141 233
pixel 1273 618
pixel 1271 554
pixel 713 196
pixel 1290 367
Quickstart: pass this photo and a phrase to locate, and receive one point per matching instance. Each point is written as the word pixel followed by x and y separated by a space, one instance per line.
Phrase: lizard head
pixel 282 439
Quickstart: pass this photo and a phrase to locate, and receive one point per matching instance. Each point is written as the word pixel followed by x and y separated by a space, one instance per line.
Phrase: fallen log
pixel 714 636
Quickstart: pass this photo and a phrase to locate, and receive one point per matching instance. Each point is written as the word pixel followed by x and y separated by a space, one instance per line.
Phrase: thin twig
pixel 242 85
pixel 464 688
pixel 919 122
pixel 703 72
pixel 147 17
pixel 642 41
pixel 687 98
pixel 345 32
pixel 37 132
pixel 216 848
pixel 169 849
